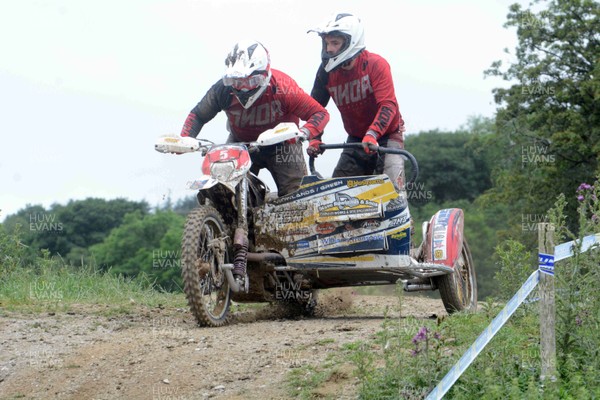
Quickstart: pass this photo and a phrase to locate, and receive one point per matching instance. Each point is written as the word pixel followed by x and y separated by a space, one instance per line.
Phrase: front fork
pixel 240 240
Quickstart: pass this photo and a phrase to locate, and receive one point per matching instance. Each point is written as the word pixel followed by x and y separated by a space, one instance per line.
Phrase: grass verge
pixel 52 287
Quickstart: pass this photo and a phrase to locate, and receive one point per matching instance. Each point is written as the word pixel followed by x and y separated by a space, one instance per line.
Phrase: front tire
pixel 459 289
pixel 202 253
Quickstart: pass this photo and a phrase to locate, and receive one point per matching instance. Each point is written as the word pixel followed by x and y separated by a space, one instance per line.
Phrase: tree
pixel 144 243
pixel 452 165
pixel 68 230
pixel 185 205
pixel 548 120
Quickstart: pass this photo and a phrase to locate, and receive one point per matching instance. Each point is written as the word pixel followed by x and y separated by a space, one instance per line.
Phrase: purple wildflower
pixel 420 336
pixel 584 186
pixel 580 198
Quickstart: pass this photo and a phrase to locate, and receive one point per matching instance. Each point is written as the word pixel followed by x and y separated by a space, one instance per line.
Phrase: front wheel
pixel 459 289
pixel 203 252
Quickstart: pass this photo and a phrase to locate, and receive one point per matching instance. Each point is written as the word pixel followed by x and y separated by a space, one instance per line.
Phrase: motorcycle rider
pixel 361 85
pixel 256 97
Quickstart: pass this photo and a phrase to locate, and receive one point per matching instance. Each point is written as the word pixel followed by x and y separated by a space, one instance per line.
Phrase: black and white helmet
pixel 351 29
pixel 248 71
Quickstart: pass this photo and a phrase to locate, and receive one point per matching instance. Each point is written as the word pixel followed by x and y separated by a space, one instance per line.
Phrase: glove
pixel 313 149
pixel 370 138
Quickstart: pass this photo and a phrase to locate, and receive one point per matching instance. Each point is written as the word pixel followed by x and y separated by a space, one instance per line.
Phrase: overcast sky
pixel 87 86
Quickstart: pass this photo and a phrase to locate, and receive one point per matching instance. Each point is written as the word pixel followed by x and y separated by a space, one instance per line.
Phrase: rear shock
pixel 240 255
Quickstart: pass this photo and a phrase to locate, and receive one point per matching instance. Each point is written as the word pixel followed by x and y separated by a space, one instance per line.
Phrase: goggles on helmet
pixel 257 79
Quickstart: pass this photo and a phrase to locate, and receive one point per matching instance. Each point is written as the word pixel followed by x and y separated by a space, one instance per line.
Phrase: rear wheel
pixel 203 252
pixel 459 289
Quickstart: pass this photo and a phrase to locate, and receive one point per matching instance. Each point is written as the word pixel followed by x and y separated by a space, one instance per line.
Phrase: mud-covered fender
pixel 444 239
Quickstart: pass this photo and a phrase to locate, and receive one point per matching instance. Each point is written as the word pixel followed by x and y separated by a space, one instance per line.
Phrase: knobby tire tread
pixel 449 291
pixel 189 270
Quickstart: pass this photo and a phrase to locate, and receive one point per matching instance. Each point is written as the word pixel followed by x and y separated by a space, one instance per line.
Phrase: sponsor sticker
pixel 303 244
pixel 302 230
pixel 396 204
pixel 325 228
pixel 347 202
pixel 370 224
pixel 330 185
pixel 439 254
pixel 401 220
pixel 440 229
pixel 367 182
pixel 399 235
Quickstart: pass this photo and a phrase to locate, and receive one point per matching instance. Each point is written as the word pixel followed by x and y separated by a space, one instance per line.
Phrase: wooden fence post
pixel 547 307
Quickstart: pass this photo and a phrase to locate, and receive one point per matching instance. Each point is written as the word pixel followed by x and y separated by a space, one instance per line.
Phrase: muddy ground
pixel 162 354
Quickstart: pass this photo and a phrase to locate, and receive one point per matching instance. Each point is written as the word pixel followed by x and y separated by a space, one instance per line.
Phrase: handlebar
pixel 378 149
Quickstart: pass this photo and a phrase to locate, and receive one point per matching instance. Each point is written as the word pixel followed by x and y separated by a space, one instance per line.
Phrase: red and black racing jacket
pixel 282 101
pixel 364 95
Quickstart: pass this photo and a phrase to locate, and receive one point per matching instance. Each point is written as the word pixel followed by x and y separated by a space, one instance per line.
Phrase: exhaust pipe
pixel 419 287
pixel 271 257
pixel 253 257
pixel 233 285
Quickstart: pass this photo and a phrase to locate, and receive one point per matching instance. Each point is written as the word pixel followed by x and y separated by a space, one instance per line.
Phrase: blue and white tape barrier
pixel 484 338
pixel 546 263
pixel 565 250
pixel 546 266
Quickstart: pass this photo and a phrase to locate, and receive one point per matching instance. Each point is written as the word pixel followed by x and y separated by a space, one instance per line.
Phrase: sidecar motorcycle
pixel 331 232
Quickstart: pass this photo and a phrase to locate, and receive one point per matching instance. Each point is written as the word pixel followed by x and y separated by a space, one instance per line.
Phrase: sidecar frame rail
pixel 414 270
pixel 378 149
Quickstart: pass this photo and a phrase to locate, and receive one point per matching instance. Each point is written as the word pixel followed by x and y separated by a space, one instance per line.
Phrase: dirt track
pixel 162 354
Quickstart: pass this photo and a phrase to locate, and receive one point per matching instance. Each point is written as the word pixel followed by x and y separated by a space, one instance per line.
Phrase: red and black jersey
pixel 282 101
pixel 364 95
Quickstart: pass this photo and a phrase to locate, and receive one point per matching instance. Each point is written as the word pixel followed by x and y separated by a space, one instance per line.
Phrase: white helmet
pixel 351 29
pixel 248 71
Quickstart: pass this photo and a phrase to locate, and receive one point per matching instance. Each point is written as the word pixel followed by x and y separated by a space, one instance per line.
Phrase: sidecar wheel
pixel 459 289
pixel 205 284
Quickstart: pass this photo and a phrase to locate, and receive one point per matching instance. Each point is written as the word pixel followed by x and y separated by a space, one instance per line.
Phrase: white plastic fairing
pixel 176 144
pixel 204 182
pixel 282 132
